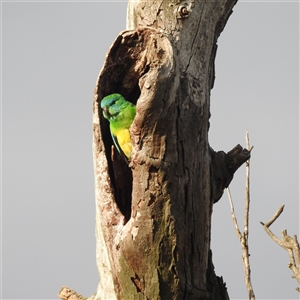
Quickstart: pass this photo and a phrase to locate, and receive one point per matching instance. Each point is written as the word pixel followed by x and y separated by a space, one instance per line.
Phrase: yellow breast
pixel 124 141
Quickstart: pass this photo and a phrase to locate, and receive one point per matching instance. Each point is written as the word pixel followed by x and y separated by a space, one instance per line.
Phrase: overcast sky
pixel 52 53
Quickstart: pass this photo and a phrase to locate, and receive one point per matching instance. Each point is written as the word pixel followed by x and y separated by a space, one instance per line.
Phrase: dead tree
pixel 153 217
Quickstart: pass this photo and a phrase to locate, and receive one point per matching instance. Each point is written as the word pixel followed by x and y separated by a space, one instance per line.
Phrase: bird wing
pixel 115 140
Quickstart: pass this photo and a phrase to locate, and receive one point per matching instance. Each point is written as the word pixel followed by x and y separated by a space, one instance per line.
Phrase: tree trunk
pixel 153 217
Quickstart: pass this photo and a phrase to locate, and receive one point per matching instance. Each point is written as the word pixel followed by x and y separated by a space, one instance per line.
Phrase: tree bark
pixel 153 217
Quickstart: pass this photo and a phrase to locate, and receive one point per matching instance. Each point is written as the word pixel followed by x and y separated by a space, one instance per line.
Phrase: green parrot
pixel 120 114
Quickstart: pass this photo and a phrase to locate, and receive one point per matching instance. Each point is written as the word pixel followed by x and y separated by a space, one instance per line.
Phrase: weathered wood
pixel 224 166
pixel 67 294
pixel 153 218
pixel 290 244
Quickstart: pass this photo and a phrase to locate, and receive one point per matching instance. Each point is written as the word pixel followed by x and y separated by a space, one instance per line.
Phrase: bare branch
pixel 272 235
pixel 235 223
pixel 244 237
pixel 245 247
pixel 297 246
pixel 247 196
pixel 276 215
pixel 288 243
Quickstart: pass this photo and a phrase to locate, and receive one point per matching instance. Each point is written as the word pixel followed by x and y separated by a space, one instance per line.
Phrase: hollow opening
pixel 119 171
pixel 124 67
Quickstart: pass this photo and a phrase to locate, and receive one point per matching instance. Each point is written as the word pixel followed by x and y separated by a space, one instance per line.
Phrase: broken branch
pixel 288 243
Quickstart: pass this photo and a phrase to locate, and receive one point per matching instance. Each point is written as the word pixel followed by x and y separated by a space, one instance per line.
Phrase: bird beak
pixel 105 111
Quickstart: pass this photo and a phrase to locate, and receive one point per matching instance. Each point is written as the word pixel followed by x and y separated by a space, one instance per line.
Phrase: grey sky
pixel 51 56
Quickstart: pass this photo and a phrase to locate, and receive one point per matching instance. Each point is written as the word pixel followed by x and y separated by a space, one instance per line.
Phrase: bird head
pixel 112 105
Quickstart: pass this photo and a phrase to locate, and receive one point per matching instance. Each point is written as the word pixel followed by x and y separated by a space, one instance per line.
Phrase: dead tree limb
pixel 243 237
pixel 224 165
pixel 288 243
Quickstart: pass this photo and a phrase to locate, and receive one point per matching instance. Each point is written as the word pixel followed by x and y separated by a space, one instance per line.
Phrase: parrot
pixel 120 114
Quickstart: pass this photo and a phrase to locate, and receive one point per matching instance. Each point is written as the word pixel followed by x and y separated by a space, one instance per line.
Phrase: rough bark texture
pixel 153 218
